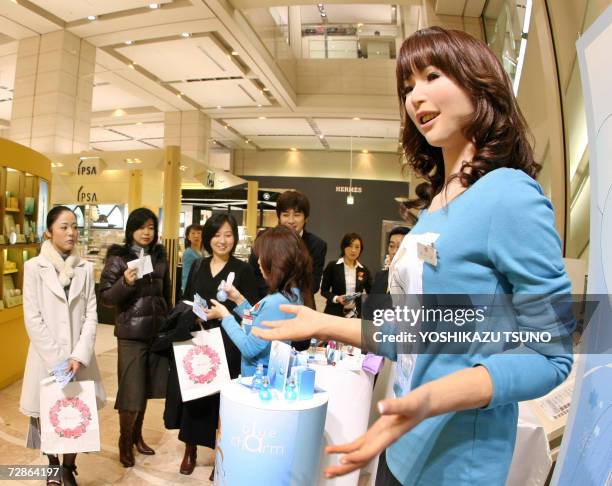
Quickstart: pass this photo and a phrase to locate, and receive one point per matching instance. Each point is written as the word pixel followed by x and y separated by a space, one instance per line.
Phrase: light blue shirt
pixel 253 349
pixel 497 238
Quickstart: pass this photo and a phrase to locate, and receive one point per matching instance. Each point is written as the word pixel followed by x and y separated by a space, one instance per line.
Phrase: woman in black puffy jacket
pixel 141 306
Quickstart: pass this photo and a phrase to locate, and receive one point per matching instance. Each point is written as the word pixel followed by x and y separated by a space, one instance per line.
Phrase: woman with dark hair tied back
pixel 287 268
pixel 59 313
pixel 197 419
pixel 486 233
pixel 193 251
pixel 141 306
pixel 344 278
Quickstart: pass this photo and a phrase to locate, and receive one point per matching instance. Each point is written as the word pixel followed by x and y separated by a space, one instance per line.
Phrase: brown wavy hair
pixel 497 127
pixel 286 263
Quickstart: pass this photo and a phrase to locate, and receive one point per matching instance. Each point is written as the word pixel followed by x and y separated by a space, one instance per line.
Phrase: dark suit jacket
pixel 381 282
pixel 334 284
pixel 317 249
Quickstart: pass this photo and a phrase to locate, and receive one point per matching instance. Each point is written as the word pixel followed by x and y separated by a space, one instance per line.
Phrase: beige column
pixel 252 190
pixel 171 209
pixel 135 190
pixel 53 92
pixel 190 130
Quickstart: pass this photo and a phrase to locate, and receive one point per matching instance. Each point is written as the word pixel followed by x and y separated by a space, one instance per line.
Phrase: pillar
pixel 53 91
pixel 135 190
pixel 171 209
pixel 252 192
pixel 190 130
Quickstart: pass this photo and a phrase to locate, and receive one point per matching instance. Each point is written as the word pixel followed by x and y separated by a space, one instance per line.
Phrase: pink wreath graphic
pixel 74 432
pixel 215 361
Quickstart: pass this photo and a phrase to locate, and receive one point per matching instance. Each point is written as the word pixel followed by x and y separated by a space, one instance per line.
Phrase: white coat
pixel 58 327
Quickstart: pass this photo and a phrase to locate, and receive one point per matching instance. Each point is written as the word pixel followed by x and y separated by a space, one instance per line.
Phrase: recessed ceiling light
pixel 359 25
pixel 258 105
pixel 56 164
pixel 128 42
pixel 234 53
pixel 246 141
pixel 119 112
pixel 321 136
pixel 179 95
pixel 266 89
pixel 91 17
pixel 226 127
pixel 183 168
pixel 132 66
pixel 219 107
pixel 364 151
pixel 293 149
pixel 138 123
pixel 262 117
pixel 185 34
pixel 154 5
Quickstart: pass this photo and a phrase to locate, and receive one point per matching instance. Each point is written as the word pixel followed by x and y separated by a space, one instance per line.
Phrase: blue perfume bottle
pixel 264 392
pixel 258 378
pixel 290 391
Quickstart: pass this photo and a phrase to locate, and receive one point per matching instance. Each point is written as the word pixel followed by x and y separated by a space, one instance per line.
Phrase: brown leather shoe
pixel 126 437
pixel 139 442
pixel 189 459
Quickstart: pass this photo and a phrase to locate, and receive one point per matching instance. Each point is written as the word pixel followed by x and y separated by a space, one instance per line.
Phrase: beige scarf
pixel 65 268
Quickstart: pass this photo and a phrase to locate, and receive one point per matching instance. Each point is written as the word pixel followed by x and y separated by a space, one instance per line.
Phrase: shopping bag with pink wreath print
pixel 68 417
pixel 201 364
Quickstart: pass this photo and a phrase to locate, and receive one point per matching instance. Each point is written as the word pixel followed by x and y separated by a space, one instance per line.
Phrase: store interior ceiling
pixel 182 55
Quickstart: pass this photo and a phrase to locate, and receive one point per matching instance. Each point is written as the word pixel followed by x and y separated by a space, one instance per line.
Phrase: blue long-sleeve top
pixel 496 239
pixel 189 256
pixel 253 349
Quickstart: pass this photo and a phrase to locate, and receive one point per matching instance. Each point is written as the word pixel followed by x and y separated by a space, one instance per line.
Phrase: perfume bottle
pixel 264 392
pixel 258 378
pixel 290 391
pixel 312 350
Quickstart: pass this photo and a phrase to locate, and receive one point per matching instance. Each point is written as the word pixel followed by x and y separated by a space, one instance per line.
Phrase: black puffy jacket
pixel 141 308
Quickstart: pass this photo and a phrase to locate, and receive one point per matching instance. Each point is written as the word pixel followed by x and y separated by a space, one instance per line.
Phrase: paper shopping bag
pixel 68 417
pixel 201 364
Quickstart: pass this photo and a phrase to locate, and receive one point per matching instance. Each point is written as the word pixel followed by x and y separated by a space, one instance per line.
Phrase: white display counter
pixel 263 443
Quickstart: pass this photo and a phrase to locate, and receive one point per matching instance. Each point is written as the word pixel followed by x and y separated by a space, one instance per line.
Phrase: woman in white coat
pixel 59 307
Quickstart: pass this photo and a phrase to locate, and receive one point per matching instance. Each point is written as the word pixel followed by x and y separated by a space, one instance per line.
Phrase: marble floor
pixel 103 467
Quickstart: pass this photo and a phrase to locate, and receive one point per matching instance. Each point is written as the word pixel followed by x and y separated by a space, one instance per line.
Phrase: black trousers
pixel 384 477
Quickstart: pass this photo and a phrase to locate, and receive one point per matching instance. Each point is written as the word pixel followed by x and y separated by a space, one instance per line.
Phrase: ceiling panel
pixel 474 8
pixel 110 97
pixel 70 10
pixel 450 7
pixel 358 128
pixel 97 134
pixel 183 59
pixel 127 145
pixel 7 70
pixel 271 126
pixel 348 14
pixel 142 130
pixel 6 108
pixel 304 143
pixel 227 93
pixel 370 144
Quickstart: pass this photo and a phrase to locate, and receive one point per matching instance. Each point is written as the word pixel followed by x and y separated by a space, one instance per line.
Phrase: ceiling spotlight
pixel 91 17
pixel 321 136
pixel 56 164
pixel 350 200
pixel 154 5
pixel 128 42
pixel 359 25
pixel 320 5
pixel 234 53
pixel 219 107
pixel 185 34
pixel 365 151
pixel 293 149
pixel 179 95
pixel 356 118
pixel 119 112
pixel 258 105
pixel 266 89
pixel 183 168
pixel 132 66
pixel 138 123
pixel 226 127
pixel 247 141
pixel 393 7
pixel 262 117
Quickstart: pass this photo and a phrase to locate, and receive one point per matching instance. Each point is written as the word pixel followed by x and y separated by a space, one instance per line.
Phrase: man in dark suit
pixel 292 210
pixel 381 279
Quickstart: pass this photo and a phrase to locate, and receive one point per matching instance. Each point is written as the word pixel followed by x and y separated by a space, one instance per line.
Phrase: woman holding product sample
pixel 59 307
pixel 197 419
pixel 287 269
pixel 485 228
pixel 141 306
